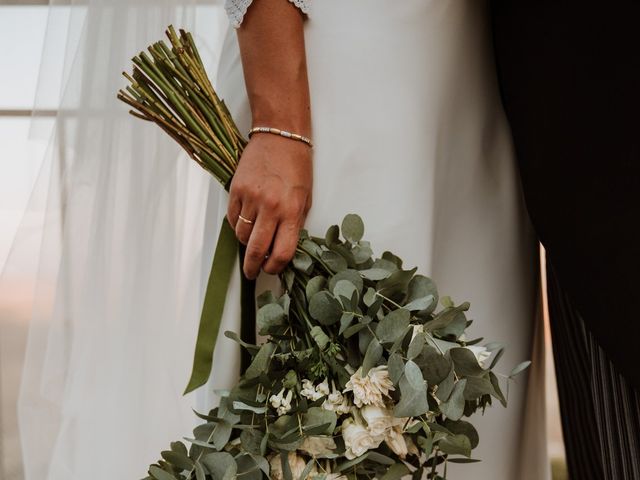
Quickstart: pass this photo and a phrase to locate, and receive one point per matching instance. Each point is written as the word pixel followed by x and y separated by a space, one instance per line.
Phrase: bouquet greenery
pixel 365 372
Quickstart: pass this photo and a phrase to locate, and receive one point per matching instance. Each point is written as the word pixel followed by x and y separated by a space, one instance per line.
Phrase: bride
pixel 400 103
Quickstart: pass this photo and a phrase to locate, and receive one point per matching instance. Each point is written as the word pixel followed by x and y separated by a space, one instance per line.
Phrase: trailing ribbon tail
pixel 219 279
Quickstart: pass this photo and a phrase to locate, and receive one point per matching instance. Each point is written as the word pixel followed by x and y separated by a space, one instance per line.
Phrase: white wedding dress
pixel 410 134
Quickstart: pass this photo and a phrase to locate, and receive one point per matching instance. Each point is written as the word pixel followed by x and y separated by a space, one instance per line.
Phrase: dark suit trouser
pixel 600 410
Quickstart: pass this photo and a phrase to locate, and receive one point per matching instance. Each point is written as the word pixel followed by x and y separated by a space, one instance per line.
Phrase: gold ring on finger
pixel 245 220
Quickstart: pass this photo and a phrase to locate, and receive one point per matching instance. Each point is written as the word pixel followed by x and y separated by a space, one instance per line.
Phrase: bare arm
pixel 273 183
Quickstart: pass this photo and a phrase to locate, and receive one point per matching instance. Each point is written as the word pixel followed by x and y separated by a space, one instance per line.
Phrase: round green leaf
pixel 352 228
pixel 334 261
pixel 324 308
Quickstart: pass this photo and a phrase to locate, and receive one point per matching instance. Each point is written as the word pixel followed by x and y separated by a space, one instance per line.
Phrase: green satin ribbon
pixel 214 300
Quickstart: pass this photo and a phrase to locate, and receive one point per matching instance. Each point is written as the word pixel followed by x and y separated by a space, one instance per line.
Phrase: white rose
pixel 370 389
pixel 357 439
pixel 396 441
pixel 481 353
pixel 317 446
pixel 296 463
pixel 378 419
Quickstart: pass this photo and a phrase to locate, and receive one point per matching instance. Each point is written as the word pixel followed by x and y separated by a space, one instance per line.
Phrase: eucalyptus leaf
pixel 393 325
pixel 456 445
pixel 375 274
pixel 520 368
pixel 261 360
pixel 352 228
pixel 395 472
pixel 497 391
pixel 243 406
pixel 416 346
pixel 446 386
pixel 421 303
pixel 324 308
pixel 344 288
pixel 476 387
pixel 454 407
pixel 371 356
pixel 321 338
pixel 395 366
pixel 421 287
pixel 320 416
pixel 268 316
pixel 444 318
pixel 221 435
pixel 302 261
pixel 435 367
pixel 221 465
pixel 414 375
pixel 315 285
pixel 334 261
pixel 466 362
pixel 199 469
pixel 413 401
pixel 333 235
pixel 464 428
pixel 349 274
pixel 178 459
pixel 160 474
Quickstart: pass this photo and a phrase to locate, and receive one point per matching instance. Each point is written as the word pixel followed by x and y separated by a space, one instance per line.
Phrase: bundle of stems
pixel 171 88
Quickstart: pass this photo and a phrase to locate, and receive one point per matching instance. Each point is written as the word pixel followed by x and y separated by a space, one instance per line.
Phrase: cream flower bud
pixel 396 441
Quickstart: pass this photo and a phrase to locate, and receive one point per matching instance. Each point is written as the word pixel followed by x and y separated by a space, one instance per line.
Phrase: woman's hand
pixel 272 187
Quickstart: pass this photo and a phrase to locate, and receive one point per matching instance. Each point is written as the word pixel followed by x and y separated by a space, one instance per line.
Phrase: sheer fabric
pixel 236 9
pixel 113 234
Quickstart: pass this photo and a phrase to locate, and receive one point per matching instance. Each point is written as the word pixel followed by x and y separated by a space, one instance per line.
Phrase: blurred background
pixel 22 29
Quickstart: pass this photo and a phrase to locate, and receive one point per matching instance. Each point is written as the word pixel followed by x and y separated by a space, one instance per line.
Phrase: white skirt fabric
pixel 410 134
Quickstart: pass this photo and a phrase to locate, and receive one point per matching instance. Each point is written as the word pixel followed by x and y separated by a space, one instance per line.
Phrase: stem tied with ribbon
pixel 169 86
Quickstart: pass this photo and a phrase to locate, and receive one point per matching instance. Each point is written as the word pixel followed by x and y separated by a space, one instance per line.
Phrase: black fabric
pixel 247 311
pixel 600 411
pixel 569 74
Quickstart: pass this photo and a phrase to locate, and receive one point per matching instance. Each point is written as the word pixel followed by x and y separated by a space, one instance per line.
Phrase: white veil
pixel 114 235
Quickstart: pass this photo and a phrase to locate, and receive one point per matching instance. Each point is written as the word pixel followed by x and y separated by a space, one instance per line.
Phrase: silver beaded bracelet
pixel 282 133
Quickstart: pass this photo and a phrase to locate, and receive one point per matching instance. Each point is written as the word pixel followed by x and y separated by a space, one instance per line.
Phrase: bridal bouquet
pixel 366 372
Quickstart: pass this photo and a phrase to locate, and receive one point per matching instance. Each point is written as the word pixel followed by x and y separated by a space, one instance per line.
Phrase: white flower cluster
pixel 335 401
pixel 282 402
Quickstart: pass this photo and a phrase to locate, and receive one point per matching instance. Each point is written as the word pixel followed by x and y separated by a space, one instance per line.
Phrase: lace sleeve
pixel 237 8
